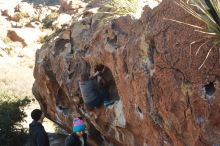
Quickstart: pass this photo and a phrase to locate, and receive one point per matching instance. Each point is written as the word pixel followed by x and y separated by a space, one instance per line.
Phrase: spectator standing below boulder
pixel 38 136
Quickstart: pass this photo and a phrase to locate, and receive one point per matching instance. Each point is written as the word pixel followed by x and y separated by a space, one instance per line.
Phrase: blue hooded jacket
pixel 38 136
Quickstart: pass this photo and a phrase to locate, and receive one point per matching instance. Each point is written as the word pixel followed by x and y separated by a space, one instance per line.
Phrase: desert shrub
pixel 11 115
pixel 116 8
pixel 7 40
pixel 8 50
pixel 123 7
pixel 42 39
pixel 49 19
pixel 34 18
pixel 21 15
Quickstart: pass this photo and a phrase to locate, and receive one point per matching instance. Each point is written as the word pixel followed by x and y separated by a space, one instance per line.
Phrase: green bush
pixel 42 39
pixel 8 50
pixel 11 115
pixel 49 19
pixel 21 15
pixel 123 7
pixel 33 19
pixel 7 40
pixel 116 8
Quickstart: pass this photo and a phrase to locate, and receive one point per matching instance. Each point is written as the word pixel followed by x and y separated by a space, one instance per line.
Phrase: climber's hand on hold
pixel 103 70
pixel 96 74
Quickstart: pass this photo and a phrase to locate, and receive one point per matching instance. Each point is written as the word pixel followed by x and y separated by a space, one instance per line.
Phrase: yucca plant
pixel 207 11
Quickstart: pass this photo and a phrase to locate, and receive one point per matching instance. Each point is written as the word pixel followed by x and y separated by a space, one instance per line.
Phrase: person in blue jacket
pixel 38 136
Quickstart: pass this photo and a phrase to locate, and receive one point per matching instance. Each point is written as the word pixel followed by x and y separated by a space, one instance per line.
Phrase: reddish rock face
pixel 161 98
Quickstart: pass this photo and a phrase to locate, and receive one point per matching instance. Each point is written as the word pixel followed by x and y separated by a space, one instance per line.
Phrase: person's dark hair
pixel 81 118
pixel 36 114
pixel 99 67
pixel 84 77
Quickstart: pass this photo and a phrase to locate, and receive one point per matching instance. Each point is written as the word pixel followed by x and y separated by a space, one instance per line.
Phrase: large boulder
pixel 161 98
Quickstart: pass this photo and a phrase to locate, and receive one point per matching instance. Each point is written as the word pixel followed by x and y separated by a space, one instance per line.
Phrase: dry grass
pixel 116 8
pixel 123 7
pixel 47 22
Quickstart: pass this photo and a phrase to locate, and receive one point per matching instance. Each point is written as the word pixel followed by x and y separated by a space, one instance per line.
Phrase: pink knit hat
pixel 78 125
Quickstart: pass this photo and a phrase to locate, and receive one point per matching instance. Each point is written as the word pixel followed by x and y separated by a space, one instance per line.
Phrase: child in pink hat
pixel 78 136
pixel 78 125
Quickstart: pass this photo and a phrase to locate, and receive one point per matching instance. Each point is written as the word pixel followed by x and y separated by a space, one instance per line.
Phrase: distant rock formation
pixel 161 98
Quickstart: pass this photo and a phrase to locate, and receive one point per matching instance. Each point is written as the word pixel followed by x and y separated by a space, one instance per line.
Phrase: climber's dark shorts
pixel 102 96
pixel 95 103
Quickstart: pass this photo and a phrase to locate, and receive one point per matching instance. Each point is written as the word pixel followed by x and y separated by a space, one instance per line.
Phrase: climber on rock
pixel 78 136
pixel 93 90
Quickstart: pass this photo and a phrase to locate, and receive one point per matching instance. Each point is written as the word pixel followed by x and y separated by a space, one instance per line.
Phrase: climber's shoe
pixel 107 103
